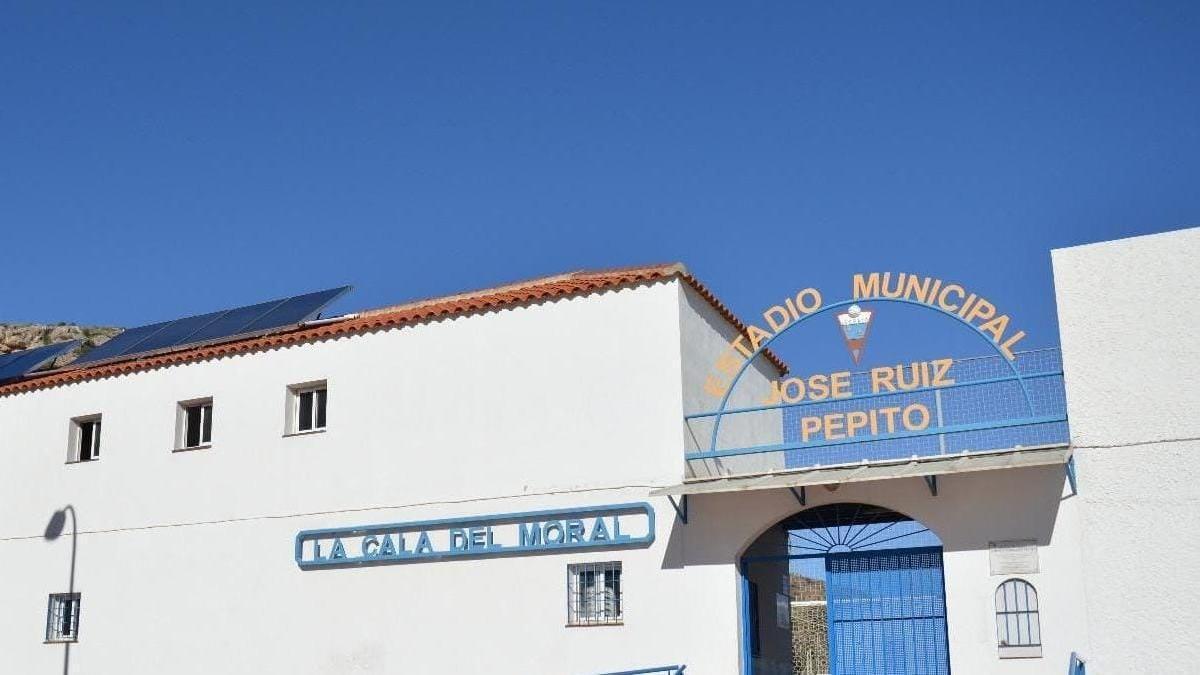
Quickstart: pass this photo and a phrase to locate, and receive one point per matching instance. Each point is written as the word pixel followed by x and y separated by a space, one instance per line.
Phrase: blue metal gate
pixel 887 612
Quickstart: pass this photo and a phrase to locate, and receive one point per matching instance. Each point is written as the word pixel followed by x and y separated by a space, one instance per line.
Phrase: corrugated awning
pixel 936 465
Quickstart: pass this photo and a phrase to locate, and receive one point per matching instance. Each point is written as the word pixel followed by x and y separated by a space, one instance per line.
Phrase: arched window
pixel 1018 628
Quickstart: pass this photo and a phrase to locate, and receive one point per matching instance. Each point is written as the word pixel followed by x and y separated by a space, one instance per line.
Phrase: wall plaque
pixel 1018 556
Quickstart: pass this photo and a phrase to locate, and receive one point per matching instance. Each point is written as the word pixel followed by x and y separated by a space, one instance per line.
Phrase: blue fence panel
pixel 988 411
pixel 887 613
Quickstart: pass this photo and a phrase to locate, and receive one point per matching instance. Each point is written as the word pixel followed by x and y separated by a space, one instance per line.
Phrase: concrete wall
pixel 705 335
pixel 1128 315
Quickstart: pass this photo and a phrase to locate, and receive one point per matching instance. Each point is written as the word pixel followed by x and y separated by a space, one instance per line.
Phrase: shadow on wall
pixel 54 530
pixel 970 511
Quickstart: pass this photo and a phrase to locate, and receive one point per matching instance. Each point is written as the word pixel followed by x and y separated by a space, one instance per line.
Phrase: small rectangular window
pixel 85 439
pixel 594 594
pixel 307 404
pixel 62 618
pixel 195 424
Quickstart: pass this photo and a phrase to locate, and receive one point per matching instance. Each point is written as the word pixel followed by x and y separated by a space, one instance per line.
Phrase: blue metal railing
pixel 657 670
pixel 985 404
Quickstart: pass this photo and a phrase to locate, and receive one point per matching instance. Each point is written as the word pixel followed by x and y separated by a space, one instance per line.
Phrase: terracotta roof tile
pixel 509 295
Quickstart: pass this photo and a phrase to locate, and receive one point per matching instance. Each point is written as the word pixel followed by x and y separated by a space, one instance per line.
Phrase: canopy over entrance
pixel 936 465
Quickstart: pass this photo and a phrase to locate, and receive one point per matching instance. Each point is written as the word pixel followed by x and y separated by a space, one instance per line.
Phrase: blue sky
pixel 163 159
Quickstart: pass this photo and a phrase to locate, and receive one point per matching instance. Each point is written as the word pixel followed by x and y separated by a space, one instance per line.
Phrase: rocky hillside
pixel 16 336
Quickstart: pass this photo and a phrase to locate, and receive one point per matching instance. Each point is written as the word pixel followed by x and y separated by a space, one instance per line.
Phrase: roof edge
pixel 570 284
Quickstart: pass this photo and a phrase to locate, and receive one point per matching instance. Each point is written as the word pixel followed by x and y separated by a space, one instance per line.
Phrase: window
pixel 1018 627
pixel 307 404
pixel 594 594
pixel 194 427
pixel 85 439
pixel 62 618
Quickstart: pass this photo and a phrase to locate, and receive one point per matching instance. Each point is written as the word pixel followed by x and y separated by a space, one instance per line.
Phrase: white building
pixel 205 528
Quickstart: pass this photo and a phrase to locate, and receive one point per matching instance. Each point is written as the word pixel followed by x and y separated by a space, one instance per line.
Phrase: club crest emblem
pixel 855 323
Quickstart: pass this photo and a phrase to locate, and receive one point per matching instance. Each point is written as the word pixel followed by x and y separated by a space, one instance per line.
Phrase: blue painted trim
pixel 781 556
pixel 744 599
pixel 477 521
pixel 930 431
pixel 809 556
pixel 750 359
pixel 664 669
pixel 860 397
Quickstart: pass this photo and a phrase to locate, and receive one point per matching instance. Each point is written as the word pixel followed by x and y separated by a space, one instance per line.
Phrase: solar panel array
pixel 15 365
pixel 214 326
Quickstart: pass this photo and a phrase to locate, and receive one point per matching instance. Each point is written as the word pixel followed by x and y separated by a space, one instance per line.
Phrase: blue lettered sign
pixel 610 525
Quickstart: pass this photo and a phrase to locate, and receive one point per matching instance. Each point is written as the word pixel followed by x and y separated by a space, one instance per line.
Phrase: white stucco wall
pixel 185 559
pixel 1127 314
pixel 970 511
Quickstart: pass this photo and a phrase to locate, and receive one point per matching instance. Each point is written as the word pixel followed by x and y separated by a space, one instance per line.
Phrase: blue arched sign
pixel 927 407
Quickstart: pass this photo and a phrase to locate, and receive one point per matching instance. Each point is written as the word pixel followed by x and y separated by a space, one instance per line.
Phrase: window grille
pixel 62 618
pixel 1017 621
pixel 594 594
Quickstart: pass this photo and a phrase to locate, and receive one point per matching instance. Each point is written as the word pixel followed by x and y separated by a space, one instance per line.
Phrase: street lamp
pixel 54 530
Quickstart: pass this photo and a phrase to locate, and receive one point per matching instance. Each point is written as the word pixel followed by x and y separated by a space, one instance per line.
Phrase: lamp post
pixel 54 530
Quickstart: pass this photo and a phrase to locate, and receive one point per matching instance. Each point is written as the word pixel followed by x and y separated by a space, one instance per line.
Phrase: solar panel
pixel 234 321
pixel 294 310
pixel 19 364
pixel 174 332
pixel 214 326
pixel 121 343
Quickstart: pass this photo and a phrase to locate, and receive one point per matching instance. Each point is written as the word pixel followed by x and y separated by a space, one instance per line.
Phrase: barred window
pixel 594 594
pixel 62 618
pixel 1018 625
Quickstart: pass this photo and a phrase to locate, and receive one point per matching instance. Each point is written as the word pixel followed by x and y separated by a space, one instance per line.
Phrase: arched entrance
pixel 845 589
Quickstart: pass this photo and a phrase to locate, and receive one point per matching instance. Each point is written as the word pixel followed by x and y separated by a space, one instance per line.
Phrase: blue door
pixel 887 612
